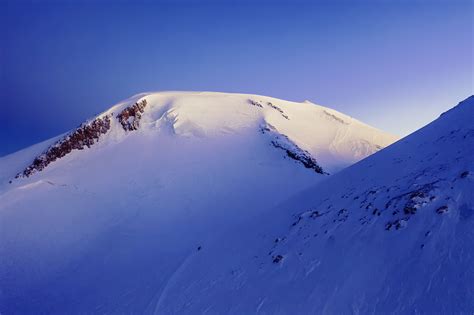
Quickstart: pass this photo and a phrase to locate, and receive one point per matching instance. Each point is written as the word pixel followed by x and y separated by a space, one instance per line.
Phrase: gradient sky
pixel 393 64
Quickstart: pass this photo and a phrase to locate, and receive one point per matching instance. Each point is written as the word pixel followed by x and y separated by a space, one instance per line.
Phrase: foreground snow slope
pixel 102 219
pixel 391 234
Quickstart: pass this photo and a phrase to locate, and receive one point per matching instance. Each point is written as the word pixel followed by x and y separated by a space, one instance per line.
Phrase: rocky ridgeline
pixel 269 104
pixel 336 118
pixel 130 116
pixel 292 150
pixel 255 103
pixel 300 155
pixel 279 110
pixel 85 136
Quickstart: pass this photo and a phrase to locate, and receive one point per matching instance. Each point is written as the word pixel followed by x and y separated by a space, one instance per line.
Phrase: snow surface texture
pixel 392 234
pixel 114 212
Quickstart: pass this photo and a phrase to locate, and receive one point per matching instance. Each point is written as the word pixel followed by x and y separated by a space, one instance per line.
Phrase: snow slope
pixel 103 218
pixel 393 233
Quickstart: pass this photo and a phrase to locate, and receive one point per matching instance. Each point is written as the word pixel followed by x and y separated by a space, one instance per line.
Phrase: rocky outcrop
pixel 84 136
pixel 130 117
pixel 334 117
pixel 279 110
pixel 255 103
pixel 269 104
pixel 292 150
pixel 277 259
pixel 300 155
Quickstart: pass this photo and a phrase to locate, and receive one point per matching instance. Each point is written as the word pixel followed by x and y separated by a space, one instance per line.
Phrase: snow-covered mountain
pixel 393 233
pixel 100 219
pixel 335 140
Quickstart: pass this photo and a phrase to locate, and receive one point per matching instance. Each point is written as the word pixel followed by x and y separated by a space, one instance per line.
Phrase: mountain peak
pixel 333 139
pixel 155 196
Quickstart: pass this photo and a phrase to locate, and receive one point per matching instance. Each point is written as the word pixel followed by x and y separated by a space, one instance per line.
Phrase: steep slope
pixel 102 218
pixel 392 234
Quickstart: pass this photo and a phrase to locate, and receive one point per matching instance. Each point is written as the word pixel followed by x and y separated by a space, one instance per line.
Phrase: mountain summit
pixel 309 131
pixel 102 218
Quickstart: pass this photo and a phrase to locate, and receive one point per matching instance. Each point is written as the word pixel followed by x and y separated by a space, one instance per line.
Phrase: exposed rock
pixel 300 155
pixel 410 202
pixel 84 136
pixel 416 200
pixel 292 150
pixel 130 116
pixel 277 259
pixel 297 221
pixel 397 224
pixel 255 103
pixel 278 109
pixel 342 215
pixel 442 210
pixel 336 118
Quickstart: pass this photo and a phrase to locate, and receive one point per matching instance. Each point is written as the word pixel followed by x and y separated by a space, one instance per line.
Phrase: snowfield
pixel 99 219
pixel 199 202
pixel 391 234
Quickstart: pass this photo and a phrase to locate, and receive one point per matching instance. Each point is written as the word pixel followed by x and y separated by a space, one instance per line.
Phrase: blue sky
pixel 392 64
